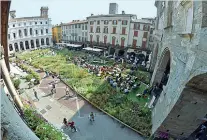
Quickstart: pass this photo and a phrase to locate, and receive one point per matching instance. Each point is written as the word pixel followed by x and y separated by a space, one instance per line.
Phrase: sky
pixel 67 10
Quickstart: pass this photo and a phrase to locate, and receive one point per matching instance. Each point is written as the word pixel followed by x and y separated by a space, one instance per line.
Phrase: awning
pixel 73 45
pixel 130 50
pixel 92 49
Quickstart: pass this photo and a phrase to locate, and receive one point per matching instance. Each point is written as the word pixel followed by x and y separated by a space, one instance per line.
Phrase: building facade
pixel 181 70
pixel 57 34
pixel 75 31
pixel 29 32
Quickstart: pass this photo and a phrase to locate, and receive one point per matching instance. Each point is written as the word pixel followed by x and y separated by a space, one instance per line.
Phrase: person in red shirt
pixel 72 126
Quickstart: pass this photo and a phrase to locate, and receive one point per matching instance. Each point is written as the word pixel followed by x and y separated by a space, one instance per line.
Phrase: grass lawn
pixel 127 108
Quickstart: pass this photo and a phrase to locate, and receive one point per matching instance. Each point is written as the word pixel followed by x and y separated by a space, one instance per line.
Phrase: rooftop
pixel 112 15
pixel 75 22
pixel 26 18
pixel 142 21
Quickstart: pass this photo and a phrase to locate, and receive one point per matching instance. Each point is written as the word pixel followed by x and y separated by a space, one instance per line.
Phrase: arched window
pixel 16 47
pixel 41 31
pixel 46 31
pixel 122 41
pixel 10 47
pixel 20 33
pixel 25 32
pixel 47 41
pixel 21 46
pixel 32 44
pixel 27 44
pixel 37 43
pixel 42 42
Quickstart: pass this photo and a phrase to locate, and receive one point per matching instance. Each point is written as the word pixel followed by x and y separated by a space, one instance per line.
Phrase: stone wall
pixel 15 128
pixel 188 54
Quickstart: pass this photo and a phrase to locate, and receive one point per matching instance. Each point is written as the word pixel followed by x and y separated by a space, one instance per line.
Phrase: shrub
pixel 16 83
pixel 29 77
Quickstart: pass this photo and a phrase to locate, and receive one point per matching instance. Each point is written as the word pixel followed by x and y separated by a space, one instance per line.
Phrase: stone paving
pixel 57 106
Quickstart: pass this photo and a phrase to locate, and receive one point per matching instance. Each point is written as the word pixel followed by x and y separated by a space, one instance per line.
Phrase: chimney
pixel 123 12
pixel 91 14
pixel 12 14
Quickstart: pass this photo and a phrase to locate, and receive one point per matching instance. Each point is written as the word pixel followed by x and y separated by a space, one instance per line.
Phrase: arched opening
pixel 122 42
pixel 37 43
pixel 30 30
pixel 32 43
pixel 163 71
pixel 105 39
pixel 97 38
pixel 47 41
pixel 27 45
pixel 121 53
pixel 22 46
pixel 10 47
pixel 190 109
pixel 42 42
pixel 113 40
pixel 16 47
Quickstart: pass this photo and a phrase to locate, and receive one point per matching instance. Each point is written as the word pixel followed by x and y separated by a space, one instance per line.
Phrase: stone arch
pixel 27 44
pixel 37 43
pixel 22 46
pixel 161 74
pixel 16 47
pixel 190 109
pixel 47 41
pixel 32 43
pixel 10 47
pixel 42 41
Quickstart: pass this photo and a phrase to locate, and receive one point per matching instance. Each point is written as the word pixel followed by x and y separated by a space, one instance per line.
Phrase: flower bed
pixel 39 125
pixel 99 92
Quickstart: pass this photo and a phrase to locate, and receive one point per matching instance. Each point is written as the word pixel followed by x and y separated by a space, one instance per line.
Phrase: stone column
pixel 19 46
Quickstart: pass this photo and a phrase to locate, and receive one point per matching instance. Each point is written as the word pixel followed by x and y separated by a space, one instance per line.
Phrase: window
pixel 41 31
pixel 122 42
pixel 85 27
pixel 30 30
pixel 14 35
pixel 40 22
pixel 145 34
pixel 20 33
pixel 35 22
pixel 114 30
pixel 13 25
pixel 19 24
pixel 82 38
pixel 46 22
pixel 106 22
pixel 46 31
pixel 91 22
pixel 79 38
pixel 134 44
pixel 98 22
pixel 136 33
pixel 124 22
pixel 98 29
pixel 144 27
pixel 82 27
pixel 9 36
pixel 136 26
pixel 91 30
pixel 114 22
pixel 25 24
pixel 25 32
pixel 79 25
pixel 76 26
pixel 105 30
pixel 189 20
pixel 30 23
pixel 36 32
pixel 123 30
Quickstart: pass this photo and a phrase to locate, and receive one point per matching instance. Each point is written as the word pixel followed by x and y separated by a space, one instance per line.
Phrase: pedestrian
pixel 72 126
pixel 66 91
pixel 53 90
pixel 35 94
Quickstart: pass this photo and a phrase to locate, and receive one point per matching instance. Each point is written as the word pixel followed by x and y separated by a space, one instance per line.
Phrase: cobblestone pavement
pixel 54 107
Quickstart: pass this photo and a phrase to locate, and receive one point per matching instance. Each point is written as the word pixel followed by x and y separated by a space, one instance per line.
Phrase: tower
pixel 44 12
pixel 12 14
pixel 113 8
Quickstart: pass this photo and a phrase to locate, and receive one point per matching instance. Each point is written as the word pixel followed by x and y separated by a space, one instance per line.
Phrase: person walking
pixel 53 90
pixel 72 125
pixel 67 91
pixel 35 94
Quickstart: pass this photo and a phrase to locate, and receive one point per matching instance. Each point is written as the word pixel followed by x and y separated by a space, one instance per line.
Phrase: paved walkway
pixel 57 106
